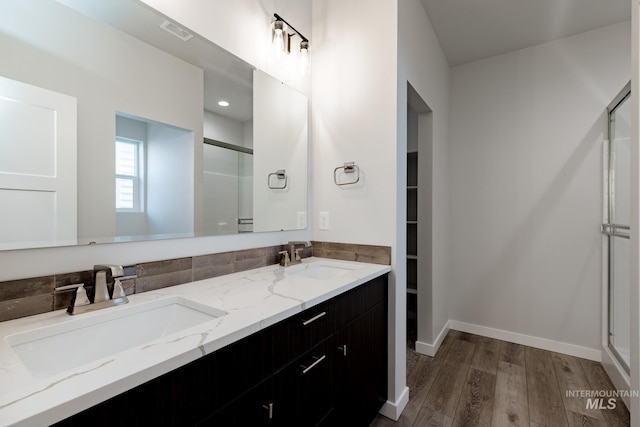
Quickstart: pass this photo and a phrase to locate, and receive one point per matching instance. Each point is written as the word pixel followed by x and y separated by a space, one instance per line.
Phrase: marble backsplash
pixel 26 297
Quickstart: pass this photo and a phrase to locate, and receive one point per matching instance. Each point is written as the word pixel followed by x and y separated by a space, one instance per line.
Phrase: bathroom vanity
pixel 306 345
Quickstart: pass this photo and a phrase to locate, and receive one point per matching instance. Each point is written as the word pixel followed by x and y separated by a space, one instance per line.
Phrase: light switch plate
pixel 324 221
pixel 302 220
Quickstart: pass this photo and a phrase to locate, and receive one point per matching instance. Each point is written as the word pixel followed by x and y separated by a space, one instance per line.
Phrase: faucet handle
pixel 118 291
pixel 81 297
pixel 284 258
pixel 297 254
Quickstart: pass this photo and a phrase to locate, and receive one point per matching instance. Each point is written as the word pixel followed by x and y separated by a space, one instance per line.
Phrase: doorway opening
pixel 419 221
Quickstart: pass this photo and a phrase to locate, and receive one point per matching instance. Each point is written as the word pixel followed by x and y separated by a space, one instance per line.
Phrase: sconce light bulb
pixel 304 46
pixel 278 34
pixel 278 27
pixel 223 103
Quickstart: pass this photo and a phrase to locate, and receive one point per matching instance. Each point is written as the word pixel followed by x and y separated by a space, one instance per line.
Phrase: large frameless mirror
pixel 119 124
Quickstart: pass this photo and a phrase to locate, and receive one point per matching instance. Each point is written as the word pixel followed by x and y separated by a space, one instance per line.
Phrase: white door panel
pixel 28 135
pixel 38 184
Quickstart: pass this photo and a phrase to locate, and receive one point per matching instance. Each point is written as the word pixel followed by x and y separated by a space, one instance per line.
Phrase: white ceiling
pixel 469 30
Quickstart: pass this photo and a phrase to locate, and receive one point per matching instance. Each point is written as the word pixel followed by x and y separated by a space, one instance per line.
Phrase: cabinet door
pixel 303 389
pixel 355 302
pixel 360 369
pixel 253 408
pixel 204 386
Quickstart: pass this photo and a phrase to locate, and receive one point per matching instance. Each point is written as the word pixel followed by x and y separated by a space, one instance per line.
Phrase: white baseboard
pixel 432 349
pixel 531 341
pixel 393 410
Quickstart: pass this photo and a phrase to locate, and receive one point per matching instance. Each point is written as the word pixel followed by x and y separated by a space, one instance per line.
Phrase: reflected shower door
pixel 227 188
pixel 616 227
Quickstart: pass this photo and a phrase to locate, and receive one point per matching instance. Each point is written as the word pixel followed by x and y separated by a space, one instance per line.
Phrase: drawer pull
pixel 343 349
pixel 310 367
pixel 314 318
pixel 269 408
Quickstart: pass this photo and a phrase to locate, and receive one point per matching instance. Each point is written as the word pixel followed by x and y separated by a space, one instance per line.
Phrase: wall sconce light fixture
pixel 282 38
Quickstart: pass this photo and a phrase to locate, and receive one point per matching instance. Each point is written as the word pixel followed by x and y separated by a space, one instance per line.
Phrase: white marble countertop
pixel 254 299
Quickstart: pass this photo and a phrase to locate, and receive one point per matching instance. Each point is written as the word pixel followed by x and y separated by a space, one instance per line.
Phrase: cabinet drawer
pixel 355 302
pixel 295 336
pixel 303 390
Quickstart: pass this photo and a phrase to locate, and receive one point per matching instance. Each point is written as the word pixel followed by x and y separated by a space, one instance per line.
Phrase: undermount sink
pixel 321 270
pixel 57 348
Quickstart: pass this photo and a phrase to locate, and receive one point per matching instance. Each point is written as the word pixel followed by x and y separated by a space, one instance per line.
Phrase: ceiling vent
pixel 179 32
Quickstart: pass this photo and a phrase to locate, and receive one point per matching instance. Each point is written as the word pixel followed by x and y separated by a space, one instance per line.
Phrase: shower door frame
pixel 610 229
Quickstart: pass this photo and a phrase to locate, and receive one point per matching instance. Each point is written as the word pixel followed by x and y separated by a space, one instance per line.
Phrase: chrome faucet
pixel 107 290
pixel 105 280
pixel 294 254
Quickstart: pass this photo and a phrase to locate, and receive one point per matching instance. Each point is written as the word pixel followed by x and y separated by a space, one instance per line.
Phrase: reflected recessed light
pixel 223 103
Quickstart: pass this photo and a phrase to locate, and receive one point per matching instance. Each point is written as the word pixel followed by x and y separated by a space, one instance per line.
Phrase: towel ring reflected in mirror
pixel 347 168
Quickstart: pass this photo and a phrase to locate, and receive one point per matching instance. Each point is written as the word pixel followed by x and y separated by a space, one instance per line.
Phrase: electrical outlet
pixel 324 221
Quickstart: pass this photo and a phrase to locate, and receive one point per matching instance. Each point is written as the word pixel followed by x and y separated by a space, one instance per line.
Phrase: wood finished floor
pixel 479 381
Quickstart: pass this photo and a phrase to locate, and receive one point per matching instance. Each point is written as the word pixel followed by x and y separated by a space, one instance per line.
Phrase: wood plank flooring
pixel 479 381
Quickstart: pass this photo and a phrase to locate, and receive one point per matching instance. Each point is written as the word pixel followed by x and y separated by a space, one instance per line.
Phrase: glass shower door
pixel 616 227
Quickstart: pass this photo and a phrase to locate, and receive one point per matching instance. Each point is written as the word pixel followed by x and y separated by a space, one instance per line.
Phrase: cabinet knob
pixel 343 349
pixel 269 408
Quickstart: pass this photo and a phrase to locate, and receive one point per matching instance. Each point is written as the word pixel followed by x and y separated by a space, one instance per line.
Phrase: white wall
pixel 526 135
pixel 244 31
pixel 227 130
pixel 422 63
pixel 354 45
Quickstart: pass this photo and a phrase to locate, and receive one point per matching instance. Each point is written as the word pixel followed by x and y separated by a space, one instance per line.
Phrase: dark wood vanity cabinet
pixel 324 366
pixel 359 390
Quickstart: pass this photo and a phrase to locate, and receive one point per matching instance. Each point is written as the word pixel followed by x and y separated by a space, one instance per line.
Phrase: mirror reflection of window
pixel 157 175
pixel 129 173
